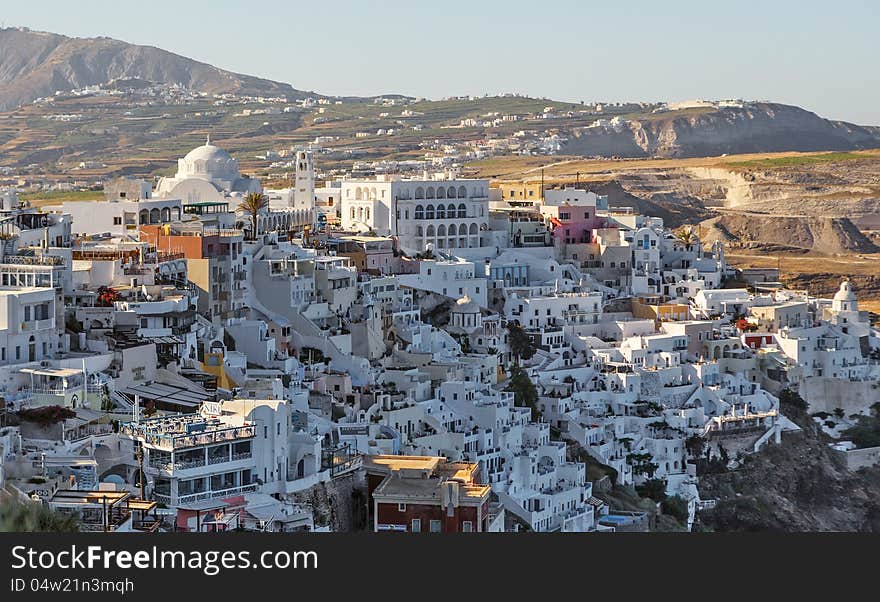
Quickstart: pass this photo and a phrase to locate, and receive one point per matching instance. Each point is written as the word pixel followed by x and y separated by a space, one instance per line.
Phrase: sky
pixel 824 56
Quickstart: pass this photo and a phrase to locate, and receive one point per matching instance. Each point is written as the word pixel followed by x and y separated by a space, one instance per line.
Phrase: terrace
pixel 185 431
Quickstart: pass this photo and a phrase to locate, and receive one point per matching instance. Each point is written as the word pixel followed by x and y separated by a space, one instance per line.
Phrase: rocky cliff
pixel 754 127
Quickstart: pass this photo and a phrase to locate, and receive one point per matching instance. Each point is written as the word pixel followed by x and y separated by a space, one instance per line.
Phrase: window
pixel 467 527
pixel 416 526
pixel 401 507
pixel 117 221
pixel 435 526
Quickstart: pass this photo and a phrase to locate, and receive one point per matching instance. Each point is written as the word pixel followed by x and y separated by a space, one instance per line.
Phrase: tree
pixel 524 392
pixel 686 235
pixel 521 344
pixel 106 296
pixel 676 507
pixel 18 517
pixel 253 204
pixel 653 488
pixel 694 445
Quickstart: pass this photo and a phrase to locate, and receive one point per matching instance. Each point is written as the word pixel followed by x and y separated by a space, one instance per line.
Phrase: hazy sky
pixel 824 57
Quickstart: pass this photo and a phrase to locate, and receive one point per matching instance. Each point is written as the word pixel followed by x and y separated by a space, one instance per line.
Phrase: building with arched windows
pixel 446 214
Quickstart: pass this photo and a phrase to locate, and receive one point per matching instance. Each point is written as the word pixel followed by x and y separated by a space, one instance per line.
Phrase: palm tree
pixel 34 517
pixel 253 204
pixel 686 235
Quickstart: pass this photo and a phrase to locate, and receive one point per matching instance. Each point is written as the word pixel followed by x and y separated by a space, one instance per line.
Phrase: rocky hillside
pixel 826 235
pixel 701 132
pixel 35 64
pixel 796 486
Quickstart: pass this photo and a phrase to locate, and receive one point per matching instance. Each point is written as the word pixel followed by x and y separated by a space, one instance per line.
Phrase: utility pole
pixel 542 185
pixel 140 459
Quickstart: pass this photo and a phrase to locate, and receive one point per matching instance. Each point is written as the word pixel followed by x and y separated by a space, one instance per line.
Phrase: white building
pixel 121 217
pixel 446 214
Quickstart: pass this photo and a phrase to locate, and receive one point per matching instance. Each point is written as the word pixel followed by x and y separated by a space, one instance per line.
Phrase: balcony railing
pixel 182 440
pixel 207 495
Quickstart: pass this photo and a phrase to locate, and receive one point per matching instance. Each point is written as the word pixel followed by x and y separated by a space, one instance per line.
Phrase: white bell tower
pixel 304 184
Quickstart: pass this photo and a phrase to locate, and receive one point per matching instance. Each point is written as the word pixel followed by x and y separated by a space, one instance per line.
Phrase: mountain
pixel 709 131
pixel 35 64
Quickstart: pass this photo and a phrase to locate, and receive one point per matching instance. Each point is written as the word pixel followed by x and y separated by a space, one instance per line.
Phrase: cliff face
pixel 756 127
pixel 36 64
pixel 796 486
pixel 827 235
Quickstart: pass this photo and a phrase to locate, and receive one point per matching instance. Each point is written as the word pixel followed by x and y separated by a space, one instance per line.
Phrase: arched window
pixel 452 230
pixel 420 193
pixel 462 192
pixel 462 210
pixel 419 231
pixel 144 216
pixel 429 193
pixel 360 214
pixel 441 194
pixel 154 216
pixel 420 211
pixel 166 214
pixel 367 214
pixel 441 211
pixel 430 232
pixel 358 194
pixel 429 211
pixel 450 194
pixel 441 231
pixel 473 230
pixel 450 210
pixel 352 213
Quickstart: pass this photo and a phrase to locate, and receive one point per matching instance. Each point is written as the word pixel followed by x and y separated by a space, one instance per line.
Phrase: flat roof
pixel 365 238
pixel 427 489
pixel 17 290
pixel 95 496
pixel 403 462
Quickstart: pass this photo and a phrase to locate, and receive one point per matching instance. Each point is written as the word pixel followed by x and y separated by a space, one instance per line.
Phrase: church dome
pixel 208 152
pixel 208 162
pixel 845 293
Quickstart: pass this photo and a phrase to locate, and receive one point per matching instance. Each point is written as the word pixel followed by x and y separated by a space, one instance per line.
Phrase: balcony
pixel 208 495
pixel 36 325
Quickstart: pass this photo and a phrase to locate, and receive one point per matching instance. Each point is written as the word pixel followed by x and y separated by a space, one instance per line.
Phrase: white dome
pixel 208 162
pixel 845 293
pixel 208 152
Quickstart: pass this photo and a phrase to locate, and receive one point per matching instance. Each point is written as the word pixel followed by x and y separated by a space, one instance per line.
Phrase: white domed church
pixel 207 174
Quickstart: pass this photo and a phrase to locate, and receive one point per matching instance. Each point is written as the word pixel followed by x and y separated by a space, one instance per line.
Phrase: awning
pixel 53 372
pixel 168 394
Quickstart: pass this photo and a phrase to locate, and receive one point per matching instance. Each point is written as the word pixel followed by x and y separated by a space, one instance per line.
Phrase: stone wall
pixel 826 394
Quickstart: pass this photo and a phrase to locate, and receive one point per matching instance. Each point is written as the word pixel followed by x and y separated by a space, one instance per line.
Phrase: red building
pixel 426 494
